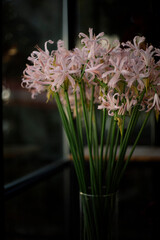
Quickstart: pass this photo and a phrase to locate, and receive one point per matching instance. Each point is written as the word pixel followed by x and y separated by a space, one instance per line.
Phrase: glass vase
pixel 98 216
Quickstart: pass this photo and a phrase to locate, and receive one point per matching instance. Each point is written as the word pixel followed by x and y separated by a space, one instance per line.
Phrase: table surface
pixel 145 153
pixel 141 153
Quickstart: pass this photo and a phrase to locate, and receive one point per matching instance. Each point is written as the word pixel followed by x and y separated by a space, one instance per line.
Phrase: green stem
pixel 79 128
pixel 108 138
pixel 133 120
pixel 130 129
pixel 122 130
pixel 78 147
pixel 111 159
pixel 102 133
pixel 135 144
pixel 124 144
pixel 92 170
pixel 95 141
pixel 68 131
pixel 116 144
pixel 101 149
pixel 91 115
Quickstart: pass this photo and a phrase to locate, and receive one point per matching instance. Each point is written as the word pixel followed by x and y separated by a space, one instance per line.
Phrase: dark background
pixel 32 131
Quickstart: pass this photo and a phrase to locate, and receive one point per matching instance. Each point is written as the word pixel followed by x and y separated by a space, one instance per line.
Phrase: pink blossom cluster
pixel 119 72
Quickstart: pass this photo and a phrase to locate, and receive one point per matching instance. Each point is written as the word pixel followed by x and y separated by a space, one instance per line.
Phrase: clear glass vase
pixel 98 216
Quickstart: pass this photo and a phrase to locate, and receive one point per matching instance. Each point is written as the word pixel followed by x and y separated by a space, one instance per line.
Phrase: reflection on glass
pixel 31 129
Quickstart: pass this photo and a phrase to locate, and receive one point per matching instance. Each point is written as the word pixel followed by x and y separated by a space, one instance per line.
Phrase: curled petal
pixel 137 41
pixel 49 41
pixel 112 82
pixel 155 104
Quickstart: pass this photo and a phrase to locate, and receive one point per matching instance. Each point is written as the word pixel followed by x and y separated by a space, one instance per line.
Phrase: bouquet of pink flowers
pixel 121 80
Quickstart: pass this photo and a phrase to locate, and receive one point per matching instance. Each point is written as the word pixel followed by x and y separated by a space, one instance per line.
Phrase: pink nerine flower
pixel 157 51
pixel 147 55
pixel 120 73
pixel 94 70
pixel 35 75
pixel 61 73
pixel 136 73
pixel 94 46
pixel 130 100
pixel 89 40
pixel 118 67
pixel 136 46
pixel 154 102
pixel 111 103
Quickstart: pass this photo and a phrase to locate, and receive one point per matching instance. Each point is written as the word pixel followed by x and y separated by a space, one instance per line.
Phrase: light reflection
pixel 6 94
pixel 12 51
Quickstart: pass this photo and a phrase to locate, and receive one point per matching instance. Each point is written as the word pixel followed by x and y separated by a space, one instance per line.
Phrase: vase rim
pixel 98 195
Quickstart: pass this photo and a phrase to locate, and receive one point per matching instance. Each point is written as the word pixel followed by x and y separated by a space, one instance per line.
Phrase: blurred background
pixel 33 139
